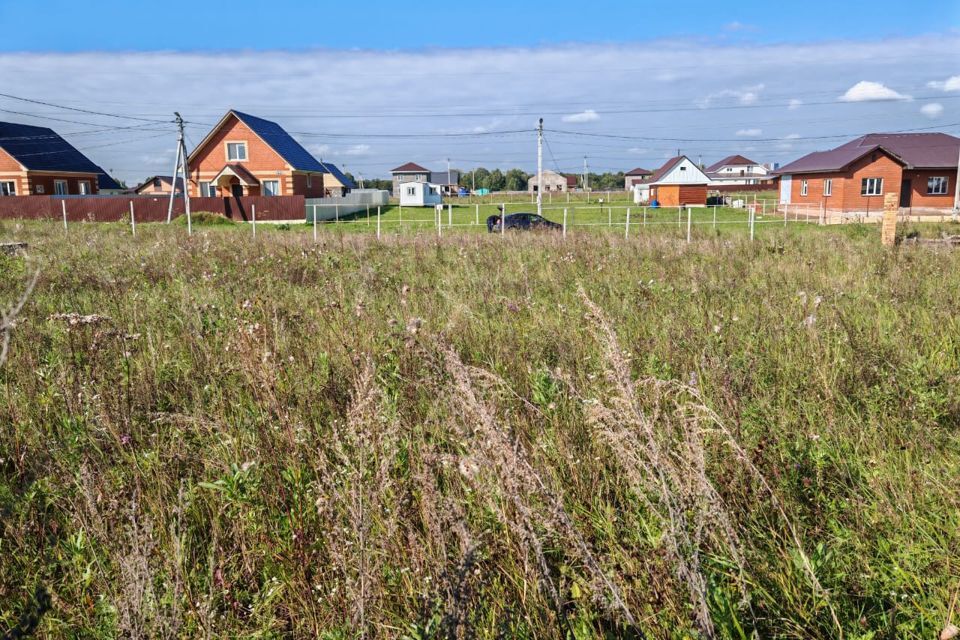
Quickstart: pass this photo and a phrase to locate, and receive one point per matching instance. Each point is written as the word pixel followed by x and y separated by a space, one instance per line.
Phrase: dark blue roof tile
pixel 281 142
pixel 41 149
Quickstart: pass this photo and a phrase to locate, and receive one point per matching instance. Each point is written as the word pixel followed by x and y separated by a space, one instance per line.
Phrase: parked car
pixel 463 192
pixel 521 221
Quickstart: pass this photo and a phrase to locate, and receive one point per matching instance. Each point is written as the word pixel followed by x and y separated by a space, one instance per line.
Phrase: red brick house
pixel 920 167
pixel 679 182
pixel 248 156
pixel 37 161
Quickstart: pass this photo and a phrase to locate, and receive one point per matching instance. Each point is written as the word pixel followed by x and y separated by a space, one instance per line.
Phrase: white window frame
pixel 85 188
pixel 871 187
pixel 57 187
pixel 242 145
pixel 39 189
pixel 208 190
pixel 8 188
pixel 804 188
pixel 266 191
pixel 411 191
pixel 827 187
pixel 943 181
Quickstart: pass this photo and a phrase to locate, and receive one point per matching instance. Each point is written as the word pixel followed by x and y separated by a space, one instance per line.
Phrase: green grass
pixel 420 438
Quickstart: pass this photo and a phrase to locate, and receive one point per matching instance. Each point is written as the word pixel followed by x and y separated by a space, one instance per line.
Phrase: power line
pixel 79 110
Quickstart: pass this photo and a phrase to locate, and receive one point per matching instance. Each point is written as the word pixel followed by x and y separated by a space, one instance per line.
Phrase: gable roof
pixel 913 150
pixel 339 175
pixel 669 166
pixel 639 172
pixel 275 137
pixel 41 149
pixel 410 167
pixel 730 161
pixel 164 179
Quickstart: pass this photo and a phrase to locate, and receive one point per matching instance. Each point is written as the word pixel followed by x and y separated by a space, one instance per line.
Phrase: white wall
pixel 686 172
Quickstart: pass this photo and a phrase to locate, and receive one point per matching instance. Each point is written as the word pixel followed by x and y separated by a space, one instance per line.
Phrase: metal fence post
pixel 253 207
pixel 368 215
pixel 133 222
pixel 679 216
pixel 564 222
pixel 752 217
pixel 336 213
pixel 314 223
pixel 644 216
pixel 503 218
pixel 378 223
pixel 689 222
pixel 714 216
pixel 784 218
pixel 476 215
pixel 63 205
pixel 626 230
pixel 400 223
pixel 449 215
pixel 439 218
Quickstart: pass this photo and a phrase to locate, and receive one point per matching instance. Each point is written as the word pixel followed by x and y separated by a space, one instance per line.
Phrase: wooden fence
pixel 149 209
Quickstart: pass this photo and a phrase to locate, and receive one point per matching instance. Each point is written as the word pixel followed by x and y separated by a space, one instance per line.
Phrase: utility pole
pixel 540 168
pixel 448 174
pixel 586 175
pixel 181 166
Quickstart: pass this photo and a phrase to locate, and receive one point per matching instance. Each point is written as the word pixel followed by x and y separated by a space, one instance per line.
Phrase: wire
pixel 77 109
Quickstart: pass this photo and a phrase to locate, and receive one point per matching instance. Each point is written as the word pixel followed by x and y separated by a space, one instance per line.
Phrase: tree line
pixel 510 180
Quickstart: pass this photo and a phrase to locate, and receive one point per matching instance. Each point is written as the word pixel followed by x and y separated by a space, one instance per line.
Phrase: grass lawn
pixel 216 436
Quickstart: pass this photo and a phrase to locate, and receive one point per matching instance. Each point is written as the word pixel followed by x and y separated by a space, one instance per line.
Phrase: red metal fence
pixel 149 209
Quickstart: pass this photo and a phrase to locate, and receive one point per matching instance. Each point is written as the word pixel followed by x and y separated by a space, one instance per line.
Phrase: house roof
pixel 639 172
pixel 410 167
pixel 571 181
pixel 914 150
pixel 730 161
pixel 339 175
pixel 41 149
pixel 239 171
pixel 669 166
pixel 273 135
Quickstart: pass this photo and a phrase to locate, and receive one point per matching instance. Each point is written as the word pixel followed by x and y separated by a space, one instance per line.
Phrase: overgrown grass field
pixel 478 437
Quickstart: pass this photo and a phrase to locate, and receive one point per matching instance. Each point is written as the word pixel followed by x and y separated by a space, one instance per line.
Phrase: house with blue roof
pixel 336 183
pixel 244 155
pixel 37 161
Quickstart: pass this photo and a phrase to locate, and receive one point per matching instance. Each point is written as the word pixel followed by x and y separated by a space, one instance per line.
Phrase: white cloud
pixel 736 25
pixel 584 116
pixel 792 136
pixel 795 104
pixel 932 110
pixel 866 91
pixel 638 151
pixel 950 84
pixel 750 133
pixel 358 150
pixel 318 150
pixel 745 96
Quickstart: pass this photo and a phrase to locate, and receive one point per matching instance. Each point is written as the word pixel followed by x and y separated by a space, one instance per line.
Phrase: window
pixel 271 187
pixel 828 187
pixel 60 187
pixel 84 188
pixel 39 188
pixel 236 151
pixel 156 183
pixel 871 187
pixel 8 188
pixel 207 190
pixel 803 188
pixel 937 186
pixel 411 191
pixel 309 181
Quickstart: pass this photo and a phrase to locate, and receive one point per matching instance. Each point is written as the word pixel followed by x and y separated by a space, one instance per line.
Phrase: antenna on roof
pixel 180 165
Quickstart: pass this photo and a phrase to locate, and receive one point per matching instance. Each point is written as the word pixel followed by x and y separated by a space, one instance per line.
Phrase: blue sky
pixel 370 86
pixel 68 25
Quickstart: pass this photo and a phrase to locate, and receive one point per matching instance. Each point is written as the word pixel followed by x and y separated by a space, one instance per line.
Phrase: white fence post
pixel 336 213
pixel 752 217
pixel 644 216
pixel 609 214
pixel 368 215
pixel 679 216
pixel 253 208
pixel 565 221
pixel 449 215
pixel 714 216
pixel 784 218
pixel 476 215
pixel 438 218
pixel 503 218
pixel 626 230
pixel 689 222
pixel 133 221
pixel 378 223
pixel 63 205
pixel 314 223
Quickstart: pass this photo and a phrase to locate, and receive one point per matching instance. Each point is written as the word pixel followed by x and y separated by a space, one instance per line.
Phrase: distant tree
pixel 516 180
pixel 497 181
pixel 482 177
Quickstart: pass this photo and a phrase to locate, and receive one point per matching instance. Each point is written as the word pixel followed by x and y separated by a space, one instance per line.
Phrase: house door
pixel 905 188
pixel 786 184
pixel 236 190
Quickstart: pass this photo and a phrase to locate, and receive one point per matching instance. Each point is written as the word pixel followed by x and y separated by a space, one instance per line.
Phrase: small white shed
pixel 419 194
pixel 641 193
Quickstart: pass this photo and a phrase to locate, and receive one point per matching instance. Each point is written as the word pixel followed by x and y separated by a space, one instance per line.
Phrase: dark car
pixel 522 221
